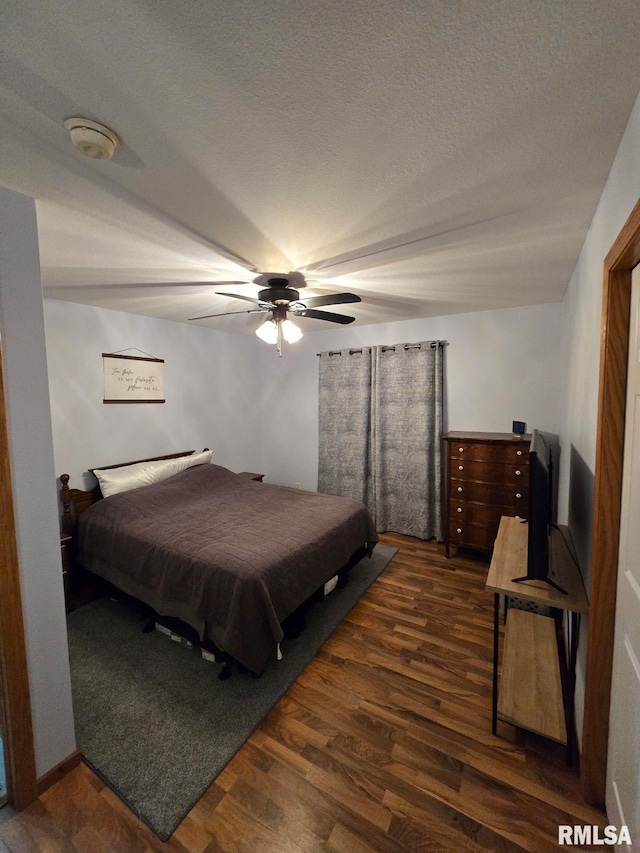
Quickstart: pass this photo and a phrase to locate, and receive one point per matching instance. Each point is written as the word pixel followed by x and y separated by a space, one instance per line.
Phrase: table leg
pixel 571 699
pixel 496 646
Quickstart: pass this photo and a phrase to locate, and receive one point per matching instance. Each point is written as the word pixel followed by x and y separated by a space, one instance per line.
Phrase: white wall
pixel 212 390
pixel 260 412
pixel 31 452
pixel 583 312
pixel 500 366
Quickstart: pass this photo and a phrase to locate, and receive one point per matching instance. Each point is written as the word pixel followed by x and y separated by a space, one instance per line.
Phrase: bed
pixel 231 557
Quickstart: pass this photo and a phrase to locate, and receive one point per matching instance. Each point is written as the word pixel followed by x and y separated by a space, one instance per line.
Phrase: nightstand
pixel 250 475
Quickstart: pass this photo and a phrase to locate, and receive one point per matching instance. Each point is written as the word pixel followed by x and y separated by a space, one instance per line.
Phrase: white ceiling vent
pixel 92 139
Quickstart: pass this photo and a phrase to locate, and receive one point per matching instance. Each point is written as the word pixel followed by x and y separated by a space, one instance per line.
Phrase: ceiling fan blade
pixel 151 285
pixel 246 298
pixel 326 315
pixel 229 313
pixel 225 283
pixel 330 299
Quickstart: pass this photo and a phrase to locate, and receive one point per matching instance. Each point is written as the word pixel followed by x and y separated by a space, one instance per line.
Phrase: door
pixel 15 705
pixel 623 762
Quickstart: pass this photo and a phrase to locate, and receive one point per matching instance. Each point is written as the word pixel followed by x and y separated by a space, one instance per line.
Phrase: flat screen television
pixel 540 511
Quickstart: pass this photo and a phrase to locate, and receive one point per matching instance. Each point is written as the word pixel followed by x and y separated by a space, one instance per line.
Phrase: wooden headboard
pixel 76 501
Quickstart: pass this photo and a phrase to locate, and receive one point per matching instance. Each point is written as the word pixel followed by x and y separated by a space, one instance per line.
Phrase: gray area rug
pixel 153 719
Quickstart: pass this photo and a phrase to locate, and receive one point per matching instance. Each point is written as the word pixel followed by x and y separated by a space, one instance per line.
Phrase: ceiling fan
pixel 280 298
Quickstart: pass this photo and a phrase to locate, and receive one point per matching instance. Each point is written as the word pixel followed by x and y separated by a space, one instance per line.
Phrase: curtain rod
pixel 433 345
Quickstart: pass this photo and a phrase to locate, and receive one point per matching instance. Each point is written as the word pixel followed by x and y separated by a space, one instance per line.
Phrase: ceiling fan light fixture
pixel 279 299
pixel 291 332
pixel 268 332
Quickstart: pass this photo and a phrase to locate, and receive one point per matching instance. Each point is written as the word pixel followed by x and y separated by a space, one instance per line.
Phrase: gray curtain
pixel 344 464
pixel 380 433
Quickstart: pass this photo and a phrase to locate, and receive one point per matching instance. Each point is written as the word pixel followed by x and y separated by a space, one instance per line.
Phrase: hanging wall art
pixel 133 378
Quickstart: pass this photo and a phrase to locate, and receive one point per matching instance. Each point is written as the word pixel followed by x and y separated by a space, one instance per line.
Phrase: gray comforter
pixel 230 556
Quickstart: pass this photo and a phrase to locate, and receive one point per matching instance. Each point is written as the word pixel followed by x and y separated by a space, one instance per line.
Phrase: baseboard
pixel 59 771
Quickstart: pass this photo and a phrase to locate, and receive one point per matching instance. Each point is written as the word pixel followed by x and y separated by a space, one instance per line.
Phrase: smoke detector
pixel 92 139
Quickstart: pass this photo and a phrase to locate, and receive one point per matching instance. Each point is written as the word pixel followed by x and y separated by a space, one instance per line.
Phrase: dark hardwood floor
pixel 383 745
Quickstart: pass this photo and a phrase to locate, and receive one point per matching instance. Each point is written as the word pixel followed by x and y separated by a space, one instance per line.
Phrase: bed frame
pixel 76 501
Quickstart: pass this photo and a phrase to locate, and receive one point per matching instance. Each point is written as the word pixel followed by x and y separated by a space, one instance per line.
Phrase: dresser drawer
pixel 512 474
pixel 516 453
pixel 468 535
pixel 513 497
pixel 476 513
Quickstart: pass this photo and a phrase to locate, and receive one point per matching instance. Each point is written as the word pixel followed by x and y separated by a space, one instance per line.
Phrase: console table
pixel 536 684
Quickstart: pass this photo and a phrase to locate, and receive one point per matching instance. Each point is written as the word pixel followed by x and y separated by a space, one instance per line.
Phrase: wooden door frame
pixel 622 257
pixel 15 702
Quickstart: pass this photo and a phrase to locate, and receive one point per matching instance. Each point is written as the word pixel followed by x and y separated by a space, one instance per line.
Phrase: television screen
pixel 540 511
pixel 539 508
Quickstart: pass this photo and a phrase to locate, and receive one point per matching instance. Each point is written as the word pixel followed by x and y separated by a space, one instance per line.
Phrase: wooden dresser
pixel 487 477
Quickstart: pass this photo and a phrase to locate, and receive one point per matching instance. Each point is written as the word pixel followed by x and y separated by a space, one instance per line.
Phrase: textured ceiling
pixel 433 157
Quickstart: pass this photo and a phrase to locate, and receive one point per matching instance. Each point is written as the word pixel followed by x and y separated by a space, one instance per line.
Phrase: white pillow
pixel 127 477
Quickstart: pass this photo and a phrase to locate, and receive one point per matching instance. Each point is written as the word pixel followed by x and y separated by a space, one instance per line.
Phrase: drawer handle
pixel 518 453
pixel 460 467
pixel 459 509
pixel 459 488
pixel 458 530
pixel 518 473
pixel 518 495
pixel 461 450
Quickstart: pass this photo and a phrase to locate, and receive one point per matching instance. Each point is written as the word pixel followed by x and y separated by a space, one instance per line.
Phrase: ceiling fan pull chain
pixel 279 344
